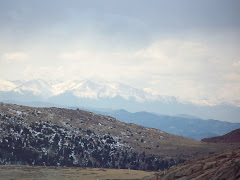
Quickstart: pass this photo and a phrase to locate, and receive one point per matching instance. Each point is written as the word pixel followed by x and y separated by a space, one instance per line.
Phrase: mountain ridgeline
pixel 98 94
pixel 182 125
pixel 65 137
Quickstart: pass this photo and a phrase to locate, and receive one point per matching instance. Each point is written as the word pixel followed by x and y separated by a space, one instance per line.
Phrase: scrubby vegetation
pixel 45 143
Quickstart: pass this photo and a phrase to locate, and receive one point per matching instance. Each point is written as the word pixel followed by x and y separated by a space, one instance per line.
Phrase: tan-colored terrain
pixel 10 172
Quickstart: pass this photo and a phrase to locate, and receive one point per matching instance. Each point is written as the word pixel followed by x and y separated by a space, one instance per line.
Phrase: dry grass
pixel 21 172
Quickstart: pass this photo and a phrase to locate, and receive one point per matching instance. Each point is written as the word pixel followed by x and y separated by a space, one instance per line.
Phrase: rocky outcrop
pixel 216 167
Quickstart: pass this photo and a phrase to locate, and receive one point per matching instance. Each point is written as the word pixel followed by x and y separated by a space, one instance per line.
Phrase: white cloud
pixel 236 64
pixel 193 70
pixel 77 55
pixel 44 72
pixel 173 48
pixel 15 57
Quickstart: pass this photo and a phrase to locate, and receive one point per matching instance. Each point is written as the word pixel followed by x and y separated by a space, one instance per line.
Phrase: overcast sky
pixel 184 48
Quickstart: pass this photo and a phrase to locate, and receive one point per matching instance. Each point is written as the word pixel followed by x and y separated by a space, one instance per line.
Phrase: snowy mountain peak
pixel 64 86
pixel 100 89
pixel 36 87
pixel 89 89
pixel 6 85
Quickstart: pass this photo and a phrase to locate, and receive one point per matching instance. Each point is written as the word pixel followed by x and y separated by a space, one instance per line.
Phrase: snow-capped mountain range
pixel 108 95
pixel 88 89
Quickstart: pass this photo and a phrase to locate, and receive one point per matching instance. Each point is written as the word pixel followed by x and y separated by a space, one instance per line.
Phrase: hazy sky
pixel 184 48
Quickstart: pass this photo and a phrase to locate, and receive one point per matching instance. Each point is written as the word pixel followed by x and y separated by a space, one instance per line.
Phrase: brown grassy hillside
pixel 138 139
pixel 232 137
